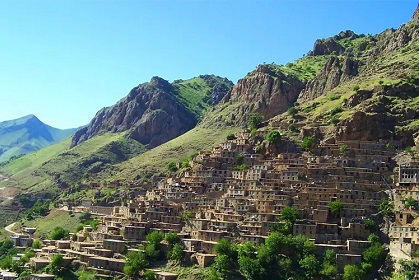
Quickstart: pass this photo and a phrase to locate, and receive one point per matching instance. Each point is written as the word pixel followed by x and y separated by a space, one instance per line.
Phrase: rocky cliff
pixel 158 111
pixel 366 89
pixel 266 90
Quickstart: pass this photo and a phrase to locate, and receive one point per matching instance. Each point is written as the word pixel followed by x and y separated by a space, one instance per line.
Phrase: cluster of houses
pixel 404 234
pixel 215 199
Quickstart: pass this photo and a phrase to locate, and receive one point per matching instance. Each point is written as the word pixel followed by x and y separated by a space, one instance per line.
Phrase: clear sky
pixel 64 60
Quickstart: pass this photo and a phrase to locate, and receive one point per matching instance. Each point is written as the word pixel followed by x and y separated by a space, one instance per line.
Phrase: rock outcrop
pixel 335 72
pixel 152 113
pixel 265 90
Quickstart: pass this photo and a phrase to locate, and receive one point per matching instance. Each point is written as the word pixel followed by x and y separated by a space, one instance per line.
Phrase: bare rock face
pixel 150 113
pixel 264 91
pixel 333 74
pixel 415 17
pixel 326 47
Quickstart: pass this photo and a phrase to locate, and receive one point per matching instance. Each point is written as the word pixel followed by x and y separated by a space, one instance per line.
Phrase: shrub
pixel 231 136
pixel 59 233
pixel 336 110
pixel 171 166
pixel 356 87
pixel 255 121
pixel 292 111
pixel 307 142
pixel 334 120
pixel 332 97
pixel 273 137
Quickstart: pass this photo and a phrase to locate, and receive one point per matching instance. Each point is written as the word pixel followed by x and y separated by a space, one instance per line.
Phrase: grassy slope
pixel 56 218
pixel 35 169
pixel 154 161
pixel 194 94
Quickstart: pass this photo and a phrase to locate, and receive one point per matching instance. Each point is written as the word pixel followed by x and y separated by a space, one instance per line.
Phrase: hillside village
pixel 236 192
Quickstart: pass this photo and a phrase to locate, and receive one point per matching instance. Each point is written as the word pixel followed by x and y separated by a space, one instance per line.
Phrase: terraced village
pixel 337 198
pixel 301 171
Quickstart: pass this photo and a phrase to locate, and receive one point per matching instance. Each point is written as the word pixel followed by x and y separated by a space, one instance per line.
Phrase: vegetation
pixel 135 262
pixel 336 207
pixel 59 233
pixel 171 166
pixel 255 121
pixel 273 137
pixel 307 142
pixel 292 111
pixel 386 207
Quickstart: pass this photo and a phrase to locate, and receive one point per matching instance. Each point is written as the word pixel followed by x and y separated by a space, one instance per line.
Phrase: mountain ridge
pixel 28 134
pixel 157 111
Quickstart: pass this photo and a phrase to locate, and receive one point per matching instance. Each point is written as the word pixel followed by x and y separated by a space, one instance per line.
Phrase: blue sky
pixel 64 60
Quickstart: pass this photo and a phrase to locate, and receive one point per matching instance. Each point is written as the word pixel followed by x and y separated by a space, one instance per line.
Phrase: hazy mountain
pixel 28 134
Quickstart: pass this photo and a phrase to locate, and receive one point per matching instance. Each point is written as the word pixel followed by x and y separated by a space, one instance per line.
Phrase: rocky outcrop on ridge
pixel 152 113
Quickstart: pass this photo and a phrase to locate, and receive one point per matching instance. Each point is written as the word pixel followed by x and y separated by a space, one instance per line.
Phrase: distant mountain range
pixel 28 134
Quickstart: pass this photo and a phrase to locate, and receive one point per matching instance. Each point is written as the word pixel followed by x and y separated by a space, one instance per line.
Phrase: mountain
pixel 28 134
pixel 349 86
pixel 158 111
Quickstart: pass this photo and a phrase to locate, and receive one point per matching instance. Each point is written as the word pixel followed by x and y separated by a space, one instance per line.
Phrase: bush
pixel 334 120
pixel 292 111
pixel 336 110
pixel 255 121
pixel 307 142
pixel 356 87
pixel 59 233
pixel 332 97
pixel 171 166
pixel 36 244
pixel 273 137
pixel 231 136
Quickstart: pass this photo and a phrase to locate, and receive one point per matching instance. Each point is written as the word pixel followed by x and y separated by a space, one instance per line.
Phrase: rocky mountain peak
pixel 415 17
pixel 326 47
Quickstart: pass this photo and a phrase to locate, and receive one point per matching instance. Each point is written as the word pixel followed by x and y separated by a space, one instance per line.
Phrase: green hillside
pixel 202 92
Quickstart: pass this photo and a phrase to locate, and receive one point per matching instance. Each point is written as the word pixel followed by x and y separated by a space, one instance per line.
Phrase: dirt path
pixel 9 228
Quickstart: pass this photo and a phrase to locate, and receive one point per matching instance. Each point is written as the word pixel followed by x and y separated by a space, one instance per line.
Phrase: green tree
pixel 171 166
pixel 307 142
pixel 176 253
pixel 329 270
pixel 369 223
pixel 373 238
pixel 374 254
pixel 242 167
pixel 36 244
pixel 352 272
pixel 249 265
pixel 223 264
pixel 135 262
pixel 225 247
pixel 336 207
pixel 273 137
pixel 155 237
pixel 59 233
pixel 56 263
pixel 289 214
pixel 171 238
pixel 150 275
pixel 310 265
pixel 255 121
pixel 386 207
